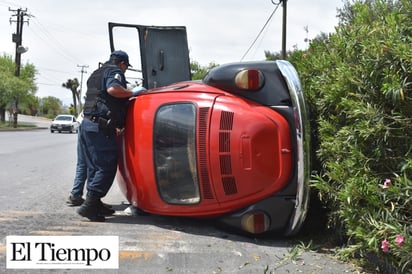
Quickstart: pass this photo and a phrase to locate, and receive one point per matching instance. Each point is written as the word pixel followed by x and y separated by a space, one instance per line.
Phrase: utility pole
pixel 18 38
pixel 283 54
pixel 81 83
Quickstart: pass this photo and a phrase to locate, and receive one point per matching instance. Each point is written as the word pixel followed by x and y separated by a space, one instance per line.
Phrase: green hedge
pixel 358 81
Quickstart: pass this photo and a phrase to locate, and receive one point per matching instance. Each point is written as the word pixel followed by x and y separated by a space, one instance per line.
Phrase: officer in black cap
pixel 104 114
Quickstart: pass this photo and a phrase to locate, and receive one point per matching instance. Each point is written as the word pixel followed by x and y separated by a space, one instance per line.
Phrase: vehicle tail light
pixel 249 79
pixel 255 222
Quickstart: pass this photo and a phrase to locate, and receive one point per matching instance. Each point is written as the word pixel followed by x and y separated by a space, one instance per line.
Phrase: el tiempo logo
pixel 62 252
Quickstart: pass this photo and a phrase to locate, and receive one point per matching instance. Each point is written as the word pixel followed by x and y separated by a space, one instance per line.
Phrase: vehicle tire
pixel 60 131
pixel 51 131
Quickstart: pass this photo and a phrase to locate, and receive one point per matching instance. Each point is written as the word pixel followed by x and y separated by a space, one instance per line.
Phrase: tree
pixel 7 68
pixel 13 89
pixel 25 88
pixel 358 82
pixel 51 106
pixel 30 106
pixel 73 85
pixel 198 71
pixel 272 55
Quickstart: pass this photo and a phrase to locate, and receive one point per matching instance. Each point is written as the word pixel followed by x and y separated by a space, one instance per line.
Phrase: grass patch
pixel 7 125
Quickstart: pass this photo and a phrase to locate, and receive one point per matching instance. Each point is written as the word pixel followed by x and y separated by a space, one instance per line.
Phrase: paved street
pixel 37 170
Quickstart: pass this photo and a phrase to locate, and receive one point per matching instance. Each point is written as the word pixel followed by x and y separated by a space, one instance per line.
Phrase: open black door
pixel 164 52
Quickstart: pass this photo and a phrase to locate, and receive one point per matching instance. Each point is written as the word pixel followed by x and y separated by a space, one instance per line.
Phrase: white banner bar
pixel 62 252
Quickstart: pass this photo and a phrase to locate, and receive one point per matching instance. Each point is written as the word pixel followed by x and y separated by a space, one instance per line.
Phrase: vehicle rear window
pixel 64 118
pixel 175 153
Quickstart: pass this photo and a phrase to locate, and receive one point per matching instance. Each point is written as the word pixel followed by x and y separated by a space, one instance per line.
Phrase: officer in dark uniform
pixel 104 113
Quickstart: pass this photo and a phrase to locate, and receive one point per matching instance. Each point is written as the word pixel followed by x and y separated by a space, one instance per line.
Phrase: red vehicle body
pixel 233 147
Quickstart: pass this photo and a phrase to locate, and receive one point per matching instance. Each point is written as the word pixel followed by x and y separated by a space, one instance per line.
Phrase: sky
pixel 62 36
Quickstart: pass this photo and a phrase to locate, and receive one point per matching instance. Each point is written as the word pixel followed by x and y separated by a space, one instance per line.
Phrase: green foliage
pixel 358 82
pixel 272 55
pixel 14 88
pixel 198 71
pixel 52 106
pixel 73 85
pixel 30 106
pixel 6 79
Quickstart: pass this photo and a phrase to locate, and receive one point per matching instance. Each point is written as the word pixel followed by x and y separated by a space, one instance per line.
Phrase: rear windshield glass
pixel 175 153
pixel 63 118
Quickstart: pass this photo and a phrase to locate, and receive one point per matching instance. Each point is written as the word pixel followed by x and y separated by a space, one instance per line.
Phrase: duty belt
pixel 105 124
pixel 93 118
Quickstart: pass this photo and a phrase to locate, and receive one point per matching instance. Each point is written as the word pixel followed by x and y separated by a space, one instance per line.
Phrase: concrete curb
pixel 21 128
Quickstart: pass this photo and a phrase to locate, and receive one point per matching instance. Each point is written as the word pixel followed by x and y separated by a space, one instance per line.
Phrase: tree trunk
pixel 15 118
pixel 74 103
pixel 3 114
pixel 80 101
pixel 15 113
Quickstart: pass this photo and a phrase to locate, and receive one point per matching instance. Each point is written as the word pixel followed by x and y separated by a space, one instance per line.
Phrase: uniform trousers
pixel 100 150
pixel 81 171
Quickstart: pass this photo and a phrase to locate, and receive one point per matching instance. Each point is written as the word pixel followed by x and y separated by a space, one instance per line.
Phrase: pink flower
pixel 399 240
pixel 386 48
pixel 385 246
pixel 387 183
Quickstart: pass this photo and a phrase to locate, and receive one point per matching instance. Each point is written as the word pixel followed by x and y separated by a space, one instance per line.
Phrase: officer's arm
pixel 119 92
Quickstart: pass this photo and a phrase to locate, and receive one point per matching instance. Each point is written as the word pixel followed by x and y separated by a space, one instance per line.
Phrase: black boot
pixel 104 210
pixel 107 205
pixel 91 209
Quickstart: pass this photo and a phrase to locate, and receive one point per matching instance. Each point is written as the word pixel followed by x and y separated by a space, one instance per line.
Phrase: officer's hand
pixel 137 90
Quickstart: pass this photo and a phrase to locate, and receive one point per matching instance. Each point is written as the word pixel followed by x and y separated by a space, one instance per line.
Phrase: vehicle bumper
pixel 286 212
pixel 303 160
pixel 62 128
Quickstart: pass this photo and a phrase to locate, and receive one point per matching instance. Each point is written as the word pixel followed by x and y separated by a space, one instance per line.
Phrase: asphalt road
pixel 36 174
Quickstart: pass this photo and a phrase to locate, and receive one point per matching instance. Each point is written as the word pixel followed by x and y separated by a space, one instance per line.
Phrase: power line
pixel 50 80
pixel 264 26
pixel 7 3
pixel 53 70
pixel 53 42
pixel 48 84
pixel 42 34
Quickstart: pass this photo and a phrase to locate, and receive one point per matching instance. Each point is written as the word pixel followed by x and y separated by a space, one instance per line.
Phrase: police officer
pixel 104 113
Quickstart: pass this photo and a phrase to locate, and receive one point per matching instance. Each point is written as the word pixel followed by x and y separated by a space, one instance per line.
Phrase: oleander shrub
pixel 358 81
